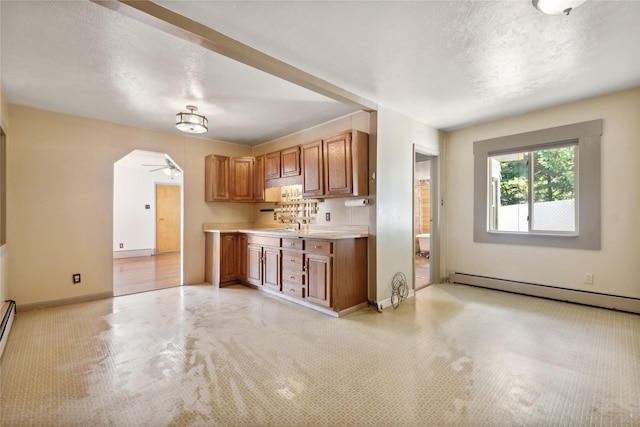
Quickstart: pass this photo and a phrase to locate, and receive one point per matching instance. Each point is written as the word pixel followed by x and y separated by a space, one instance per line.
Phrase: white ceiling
pixel 448 64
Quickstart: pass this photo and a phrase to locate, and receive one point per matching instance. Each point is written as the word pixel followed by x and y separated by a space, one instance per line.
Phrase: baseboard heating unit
pixel 595 299
pixel 8 313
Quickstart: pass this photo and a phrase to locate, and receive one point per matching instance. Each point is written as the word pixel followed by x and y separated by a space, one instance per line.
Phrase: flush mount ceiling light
pixel 191 122
pixel 556 7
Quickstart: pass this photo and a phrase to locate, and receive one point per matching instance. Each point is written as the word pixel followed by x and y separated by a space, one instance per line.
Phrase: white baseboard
pixel 595 299
pixel 132 254
pixel 6 320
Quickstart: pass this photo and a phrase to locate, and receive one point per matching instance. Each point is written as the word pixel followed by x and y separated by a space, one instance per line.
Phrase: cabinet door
pixel 338 173
pixel 272 165
pixel 258 179
pixel 312 169
pixel 241 179
pixel 216 175
pixel 290 162
pixel 254 265
pixel 228 263
pixel 318 269
pixel 243 247
pixel 271 268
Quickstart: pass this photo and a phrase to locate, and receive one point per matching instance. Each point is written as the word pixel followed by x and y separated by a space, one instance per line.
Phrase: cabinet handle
pixel 316 247
pixel 292 244
pixel 292 277
pixel 292 290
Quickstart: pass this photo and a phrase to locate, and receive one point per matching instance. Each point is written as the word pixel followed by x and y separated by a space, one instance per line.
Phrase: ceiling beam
pixel 187 29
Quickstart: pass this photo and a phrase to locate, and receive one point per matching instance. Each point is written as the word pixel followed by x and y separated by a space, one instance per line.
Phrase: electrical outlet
pixel 121 245
pixel 76 278
pixel 588 278
pixel 275 216
pixel 327 216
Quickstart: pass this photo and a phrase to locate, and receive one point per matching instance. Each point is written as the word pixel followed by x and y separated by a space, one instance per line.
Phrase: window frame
pixel 588 216
pixel 531 188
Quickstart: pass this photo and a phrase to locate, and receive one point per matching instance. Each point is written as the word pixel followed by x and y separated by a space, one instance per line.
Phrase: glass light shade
pixel 172 172
pixel 191 122
pixel 556 7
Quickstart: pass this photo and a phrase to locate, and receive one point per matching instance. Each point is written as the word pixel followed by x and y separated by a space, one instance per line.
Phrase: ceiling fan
pixel 169 168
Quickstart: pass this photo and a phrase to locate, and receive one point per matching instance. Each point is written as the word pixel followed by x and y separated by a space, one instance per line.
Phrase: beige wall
pixel 397 135
pixel 615 267
pixel 4 252
pixel 60 201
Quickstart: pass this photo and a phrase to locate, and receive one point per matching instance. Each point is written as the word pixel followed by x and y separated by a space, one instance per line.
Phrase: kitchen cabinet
pixel 259 179
pixel 282 164
pixel 216 172
pixel 221 258
pixel 346 164
pixel 228 257
pixel 319 271
pixel 293 268
pixel 241 179
pixel 272 165
pixel 336 166
pixel 312 169
pixel 263 261
pixel 290 162
pixel 331 273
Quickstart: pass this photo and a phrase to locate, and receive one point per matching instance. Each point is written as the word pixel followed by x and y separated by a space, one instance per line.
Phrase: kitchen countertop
pixel 325 233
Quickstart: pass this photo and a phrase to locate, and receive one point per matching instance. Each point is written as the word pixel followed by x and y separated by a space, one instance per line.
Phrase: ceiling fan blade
pixel 155 165
pixel 164 167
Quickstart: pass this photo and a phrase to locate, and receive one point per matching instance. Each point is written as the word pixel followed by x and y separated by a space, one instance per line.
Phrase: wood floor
pixel 146 273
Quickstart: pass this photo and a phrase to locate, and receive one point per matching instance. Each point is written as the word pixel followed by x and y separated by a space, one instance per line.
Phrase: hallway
pixel 146 273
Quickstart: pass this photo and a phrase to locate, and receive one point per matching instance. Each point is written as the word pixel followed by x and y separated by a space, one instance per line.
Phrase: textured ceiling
pixel 448 64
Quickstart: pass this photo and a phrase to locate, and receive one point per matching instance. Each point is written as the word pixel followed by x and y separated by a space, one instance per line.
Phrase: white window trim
pixel 587 135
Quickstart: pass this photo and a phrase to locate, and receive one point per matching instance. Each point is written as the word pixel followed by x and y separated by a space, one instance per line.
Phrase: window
pixel 539 188
pixel 533 191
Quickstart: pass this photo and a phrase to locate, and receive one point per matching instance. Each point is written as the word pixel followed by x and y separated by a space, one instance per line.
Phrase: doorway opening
pixel 147 223
pixel 425 218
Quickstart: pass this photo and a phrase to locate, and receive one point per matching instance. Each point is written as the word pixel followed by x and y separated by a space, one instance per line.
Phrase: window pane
pixel 508 192
pixel 554 204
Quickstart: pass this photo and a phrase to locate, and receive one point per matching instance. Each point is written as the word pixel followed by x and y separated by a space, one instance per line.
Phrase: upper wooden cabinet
pixel 290 162
pixel 283 164
pixel 216 173
pixel 346 164
pixel 312 169
pixel 336 166
pixel 241 179
pixel 259 179
pixel 272 165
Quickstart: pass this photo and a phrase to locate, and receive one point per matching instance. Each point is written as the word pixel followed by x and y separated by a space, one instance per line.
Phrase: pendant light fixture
pixel 556 7
pixel 191 122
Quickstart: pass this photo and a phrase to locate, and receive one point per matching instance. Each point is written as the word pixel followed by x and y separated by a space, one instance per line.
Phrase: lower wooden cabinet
pixel 331 274
pixel 263 261
pixel 243 249
pixel 228 257
pixel 319 272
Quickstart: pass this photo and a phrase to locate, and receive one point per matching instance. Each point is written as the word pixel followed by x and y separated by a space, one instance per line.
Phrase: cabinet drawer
pixel 293 290
pixel 264 240
pixel 293 277
pixel 292 260
pixel 292 244
pixel 319 246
